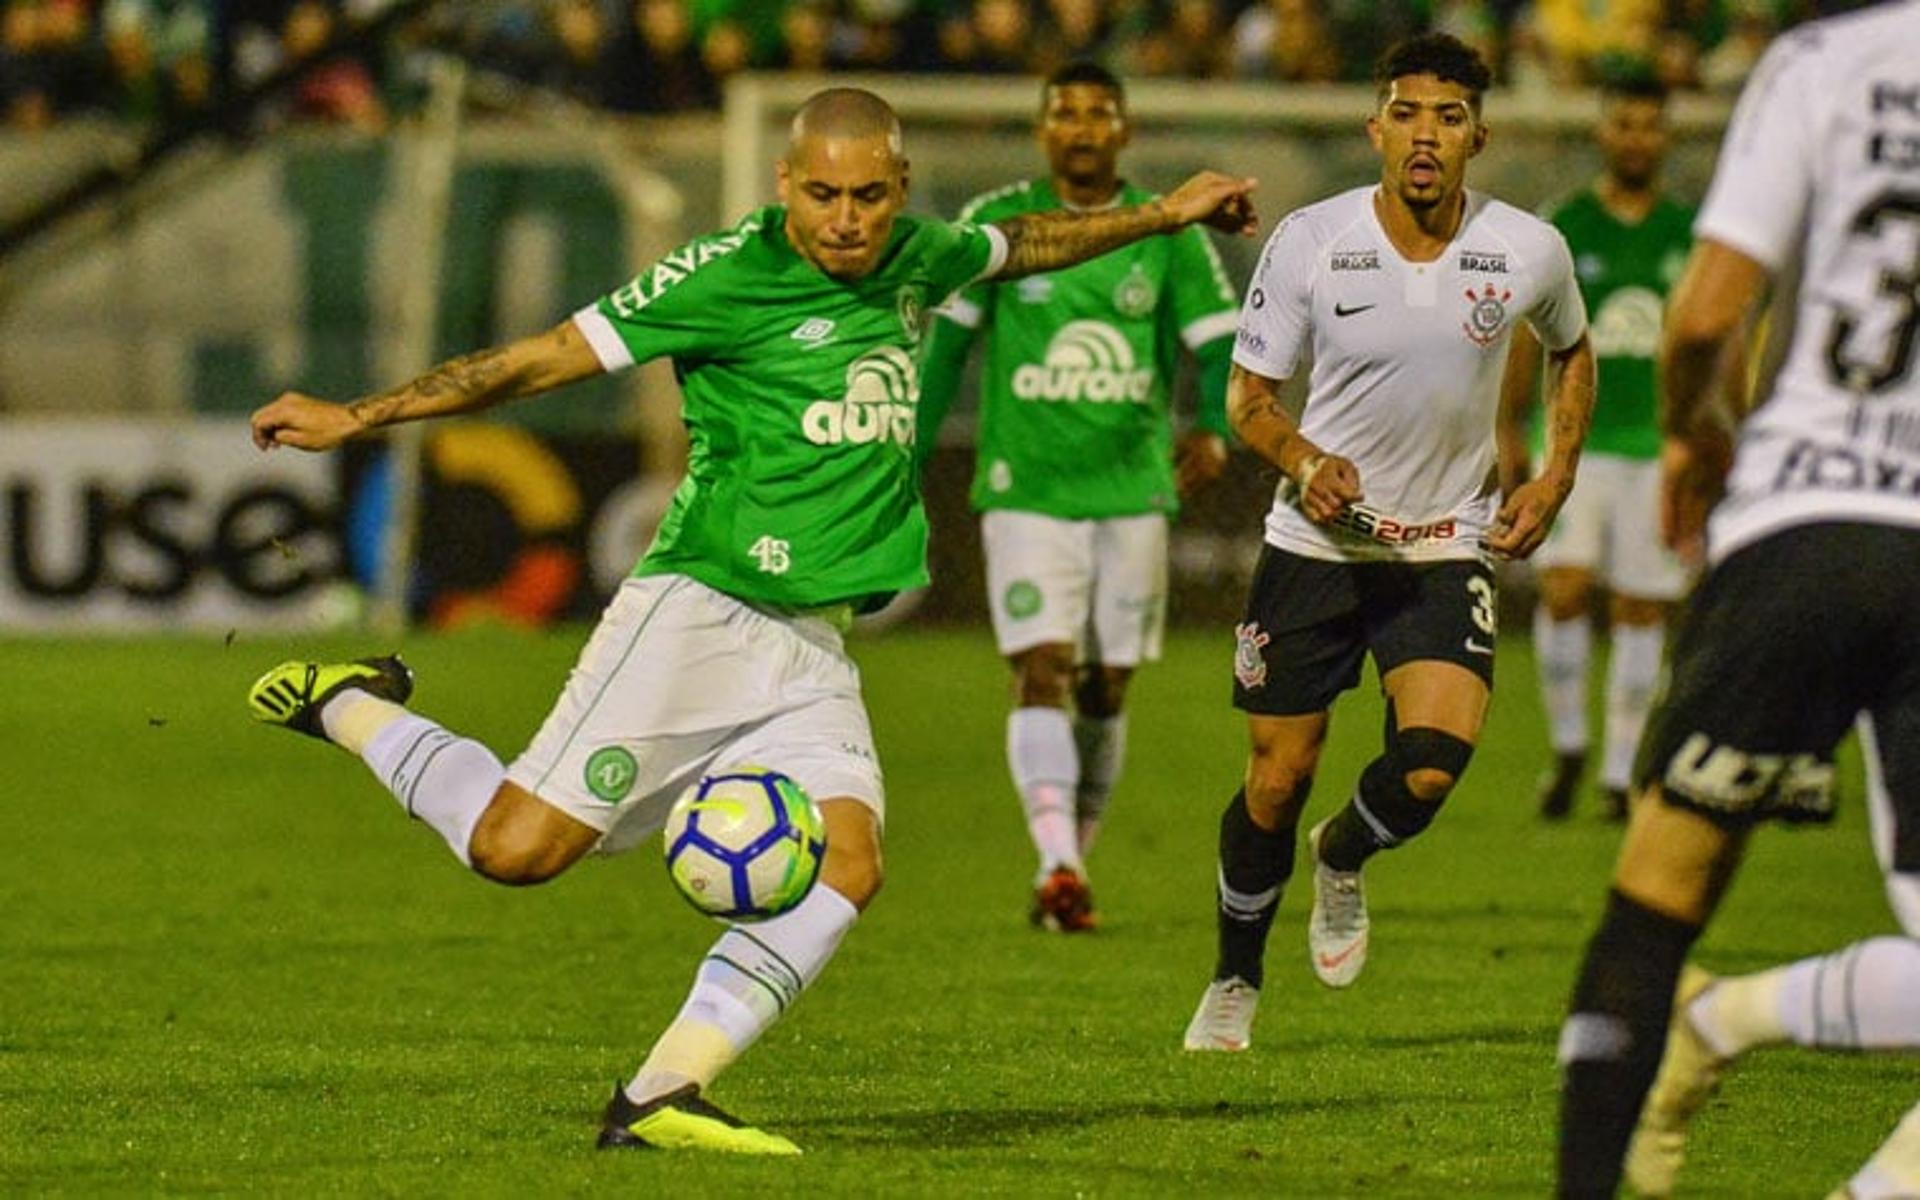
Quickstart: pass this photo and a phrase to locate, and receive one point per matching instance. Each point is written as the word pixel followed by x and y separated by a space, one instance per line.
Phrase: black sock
pixel 1351 839
pixel 1254 866
pixel 1611 1045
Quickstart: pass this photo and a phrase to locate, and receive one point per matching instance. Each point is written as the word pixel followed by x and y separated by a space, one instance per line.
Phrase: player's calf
pixel 1399 796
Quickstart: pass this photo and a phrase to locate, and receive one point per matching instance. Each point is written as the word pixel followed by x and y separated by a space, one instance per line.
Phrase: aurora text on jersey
pixel 800 397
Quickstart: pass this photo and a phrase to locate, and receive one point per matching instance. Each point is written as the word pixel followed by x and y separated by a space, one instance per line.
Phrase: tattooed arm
pixel 1530 508
pixel 1049 241
pixel 466 384
pixel 1327 482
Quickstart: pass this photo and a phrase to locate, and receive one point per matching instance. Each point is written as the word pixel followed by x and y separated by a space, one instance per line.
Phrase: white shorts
pixel 1098 585
pixel 679 679
pixel 1611 527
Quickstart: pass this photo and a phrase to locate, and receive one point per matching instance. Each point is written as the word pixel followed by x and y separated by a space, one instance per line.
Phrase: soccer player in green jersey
pixel 1076 471
pixel 1629 241
pixel 793 335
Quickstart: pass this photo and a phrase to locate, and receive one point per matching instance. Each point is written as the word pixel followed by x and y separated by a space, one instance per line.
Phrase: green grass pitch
pixel 230 964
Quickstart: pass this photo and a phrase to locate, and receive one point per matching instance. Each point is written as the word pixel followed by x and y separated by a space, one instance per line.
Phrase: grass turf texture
pixel 230 964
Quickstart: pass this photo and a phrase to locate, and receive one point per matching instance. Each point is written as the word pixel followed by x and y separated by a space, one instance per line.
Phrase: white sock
pixel 1893 1173
pixel 1632 675
pixel 437 776
pixel 1046 769
pixel 1561 649
pixel 1865 997
pixel 752 975
pixel 1102 743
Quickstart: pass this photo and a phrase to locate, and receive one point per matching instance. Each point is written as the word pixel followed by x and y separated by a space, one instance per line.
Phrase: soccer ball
pixel 744 844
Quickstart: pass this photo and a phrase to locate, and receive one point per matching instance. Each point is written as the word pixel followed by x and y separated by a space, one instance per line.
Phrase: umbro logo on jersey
pixel 814 331
pixel 1341 310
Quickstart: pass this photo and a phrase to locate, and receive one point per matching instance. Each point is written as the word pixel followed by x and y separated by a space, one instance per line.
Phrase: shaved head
pixel 844 114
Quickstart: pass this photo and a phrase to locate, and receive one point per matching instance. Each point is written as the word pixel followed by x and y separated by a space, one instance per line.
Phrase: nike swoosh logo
pixel 1341 310
pixel 1330 961
pixel 1474 647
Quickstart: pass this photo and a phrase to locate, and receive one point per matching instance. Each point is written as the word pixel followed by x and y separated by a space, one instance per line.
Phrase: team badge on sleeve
pixel 1249 667
pixel 1488 316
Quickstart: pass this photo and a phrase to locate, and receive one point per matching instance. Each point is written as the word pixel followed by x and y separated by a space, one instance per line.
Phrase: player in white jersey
pixel 1405 295
pixel 1808 618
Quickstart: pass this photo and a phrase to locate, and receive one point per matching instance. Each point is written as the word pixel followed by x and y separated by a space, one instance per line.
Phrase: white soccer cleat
pixel 1224 1020
pixel 1689 1073
pixel 1337 927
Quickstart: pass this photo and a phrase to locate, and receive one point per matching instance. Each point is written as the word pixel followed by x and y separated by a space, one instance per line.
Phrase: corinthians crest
pixel 1488 316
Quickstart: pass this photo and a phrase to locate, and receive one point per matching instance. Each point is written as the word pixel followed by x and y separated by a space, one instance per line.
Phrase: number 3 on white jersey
pixel 772 552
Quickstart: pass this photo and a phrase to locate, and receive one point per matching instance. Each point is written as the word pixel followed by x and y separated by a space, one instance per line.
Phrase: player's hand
pixel 1328 483
pixel 1523 521
pixel 1224 202
pixel 303 422
pixel 1693 477
pixel 1198 460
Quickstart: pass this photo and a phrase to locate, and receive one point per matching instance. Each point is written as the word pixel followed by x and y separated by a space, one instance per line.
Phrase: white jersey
pixel 1407 362
pixel 1822 161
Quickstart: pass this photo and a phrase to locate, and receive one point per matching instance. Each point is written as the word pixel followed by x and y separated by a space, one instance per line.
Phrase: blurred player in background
pixel 1405 295
pixel 1808 617
pixel 793 336
pixel 1076 471
pixel 1629 241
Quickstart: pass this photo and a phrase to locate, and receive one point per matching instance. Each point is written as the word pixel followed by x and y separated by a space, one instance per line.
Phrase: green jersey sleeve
pixel 1204 305
pixel 958 254
pixel 670 309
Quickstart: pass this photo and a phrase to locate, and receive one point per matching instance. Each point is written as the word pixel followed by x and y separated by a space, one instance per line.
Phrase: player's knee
pixel 855 872
pixel 1431 761
pixel 1564 594
pixel 1277 786
pixel 514 862
pixel 1102 691
pixel 1043 676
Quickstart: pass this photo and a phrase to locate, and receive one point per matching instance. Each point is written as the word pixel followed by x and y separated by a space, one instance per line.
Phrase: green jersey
pixel 1625 273
pixel 1076 386
pixel 799 395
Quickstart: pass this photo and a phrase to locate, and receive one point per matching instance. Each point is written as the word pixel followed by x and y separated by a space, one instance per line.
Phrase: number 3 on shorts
pixel 1481 589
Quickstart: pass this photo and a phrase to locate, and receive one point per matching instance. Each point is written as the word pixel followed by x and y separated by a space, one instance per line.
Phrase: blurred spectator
pixel 997 40
pixel 1190 42
pixel 1726 66
pixel 666 73
pixel 806 37
pixel 1285 39
pixel 45 68
pixel 341 89
pixel 1075 31
pixel 1588 37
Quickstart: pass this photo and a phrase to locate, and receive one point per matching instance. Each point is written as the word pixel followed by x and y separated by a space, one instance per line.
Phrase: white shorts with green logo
pixel 1610 526
pixel 1097 585
pixel 678 680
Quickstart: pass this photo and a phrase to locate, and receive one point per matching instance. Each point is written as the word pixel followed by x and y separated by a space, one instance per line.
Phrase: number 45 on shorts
pixel 772 554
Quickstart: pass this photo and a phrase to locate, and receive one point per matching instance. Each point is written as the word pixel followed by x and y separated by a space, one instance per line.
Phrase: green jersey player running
pixel 1076 472
pixel 793 335
pixel 1629 241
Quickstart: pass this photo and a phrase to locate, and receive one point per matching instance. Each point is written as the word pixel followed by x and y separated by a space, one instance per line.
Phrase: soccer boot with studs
pixel 1337 926
pixel 1689 1073
pixel 1063 903
pixel 682 1120
pixel 1224 1020
pixel 293 693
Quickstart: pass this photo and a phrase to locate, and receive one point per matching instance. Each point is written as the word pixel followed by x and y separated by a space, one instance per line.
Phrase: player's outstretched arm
pixel 1529 510
pixel 1327 482
pixel 1049 241
pixel 469 383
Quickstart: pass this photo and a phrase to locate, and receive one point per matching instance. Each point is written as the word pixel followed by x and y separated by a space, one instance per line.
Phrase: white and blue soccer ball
pixel 745 843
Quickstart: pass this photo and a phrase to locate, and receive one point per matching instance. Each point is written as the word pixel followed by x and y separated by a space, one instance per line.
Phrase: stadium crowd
pixel 142 60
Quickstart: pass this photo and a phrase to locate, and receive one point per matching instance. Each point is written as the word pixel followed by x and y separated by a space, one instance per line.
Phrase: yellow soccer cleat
pixel 681 1120
pixel 1689 1073
pixel 292 694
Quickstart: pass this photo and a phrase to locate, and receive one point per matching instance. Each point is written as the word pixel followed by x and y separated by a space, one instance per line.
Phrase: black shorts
pixel 1781 648
pixel 1310 622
